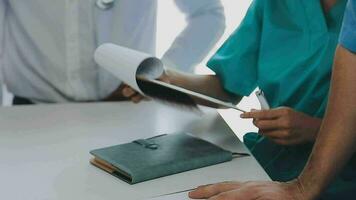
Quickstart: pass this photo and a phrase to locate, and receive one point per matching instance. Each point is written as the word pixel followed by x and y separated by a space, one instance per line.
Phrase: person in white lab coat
pixel 47 46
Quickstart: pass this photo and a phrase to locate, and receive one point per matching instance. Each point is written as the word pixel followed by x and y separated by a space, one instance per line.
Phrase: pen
pixel 262 99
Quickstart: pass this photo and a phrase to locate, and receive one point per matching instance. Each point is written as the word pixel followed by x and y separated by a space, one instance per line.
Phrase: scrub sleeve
pixel 348 33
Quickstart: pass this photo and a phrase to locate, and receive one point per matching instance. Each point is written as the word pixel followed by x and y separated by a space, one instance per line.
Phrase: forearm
pixel 336 140
pixel 312 127
pixel 205 84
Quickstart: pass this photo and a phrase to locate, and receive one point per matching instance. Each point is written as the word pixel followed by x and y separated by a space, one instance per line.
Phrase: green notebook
pixel 164 155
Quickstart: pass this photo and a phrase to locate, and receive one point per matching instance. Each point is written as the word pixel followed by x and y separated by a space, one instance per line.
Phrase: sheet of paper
pixel 129 65
pixel 198 95
pixel 126 64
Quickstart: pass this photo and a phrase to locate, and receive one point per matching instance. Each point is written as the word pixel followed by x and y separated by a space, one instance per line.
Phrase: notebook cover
pixel 160 156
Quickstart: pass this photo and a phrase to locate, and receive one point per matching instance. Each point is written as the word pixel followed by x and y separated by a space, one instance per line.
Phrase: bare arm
pixel 337 137
pixel 209 85
pixel 205 84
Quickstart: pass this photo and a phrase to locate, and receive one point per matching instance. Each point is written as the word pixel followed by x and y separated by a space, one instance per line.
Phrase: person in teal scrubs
pixel 286 48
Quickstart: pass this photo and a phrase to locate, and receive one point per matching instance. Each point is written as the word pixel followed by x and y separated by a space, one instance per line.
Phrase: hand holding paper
pixel 142 72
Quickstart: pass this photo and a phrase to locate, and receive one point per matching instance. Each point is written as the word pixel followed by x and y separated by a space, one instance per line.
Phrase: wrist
pixel 171 76
pixel 307 188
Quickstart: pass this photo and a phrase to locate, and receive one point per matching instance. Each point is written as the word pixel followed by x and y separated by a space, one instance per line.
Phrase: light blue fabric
pixel 348 33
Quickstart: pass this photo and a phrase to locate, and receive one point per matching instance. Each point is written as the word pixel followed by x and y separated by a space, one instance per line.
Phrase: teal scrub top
pixel 286 48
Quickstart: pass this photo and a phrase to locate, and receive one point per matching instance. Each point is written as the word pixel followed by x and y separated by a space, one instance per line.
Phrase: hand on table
pixel 285 126
pixel 250 191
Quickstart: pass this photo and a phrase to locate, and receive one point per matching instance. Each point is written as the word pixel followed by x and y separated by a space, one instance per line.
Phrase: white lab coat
pixel 48 45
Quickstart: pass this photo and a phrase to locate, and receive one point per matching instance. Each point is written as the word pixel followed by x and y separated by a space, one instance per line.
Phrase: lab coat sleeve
pixel 2 24
pixel 205 25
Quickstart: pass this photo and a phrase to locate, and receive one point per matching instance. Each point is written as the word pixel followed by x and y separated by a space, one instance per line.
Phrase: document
pixel 126 64
pixel 141 71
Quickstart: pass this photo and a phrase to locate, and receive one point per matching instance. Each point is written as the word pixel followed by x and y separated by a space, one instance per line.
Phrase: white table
pixel 44 150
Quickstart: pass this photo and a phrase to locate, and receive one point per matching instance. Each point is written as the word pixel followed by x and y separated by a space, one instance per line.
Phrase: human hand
pixel 135 96
pixel 124 93
pixel 251 191
pixel 285 126
pixel 132 94
pixel 117 95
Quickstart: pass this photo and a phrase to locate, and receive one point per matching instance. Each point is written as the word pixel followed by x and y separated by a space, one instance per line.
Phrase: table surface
pixel 44 150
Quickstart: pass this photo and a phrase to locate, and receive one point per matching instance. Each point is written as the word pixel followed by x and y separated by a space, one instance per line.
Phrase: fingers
pixel 261 190
pixel 247 191
pixel 276 130
pixel 238 194
pixel 262 114
pixel 204 192
pixel 130 93
pixel 266 125
pixel 137 98
pixel 267 114
pixel 279 123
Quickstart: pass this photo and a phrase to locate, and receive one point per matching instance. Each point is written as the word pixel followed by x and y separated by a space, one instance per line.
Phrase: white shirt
pixel 47 46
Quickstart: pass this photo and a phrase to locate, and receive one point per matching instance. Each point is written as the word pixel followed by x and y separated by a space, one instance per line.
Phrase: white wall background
pixel 171 21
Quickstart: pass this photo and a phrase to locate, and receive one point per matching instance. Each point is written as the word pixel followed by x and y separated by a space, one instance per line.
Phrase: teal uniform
pixel 286 48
